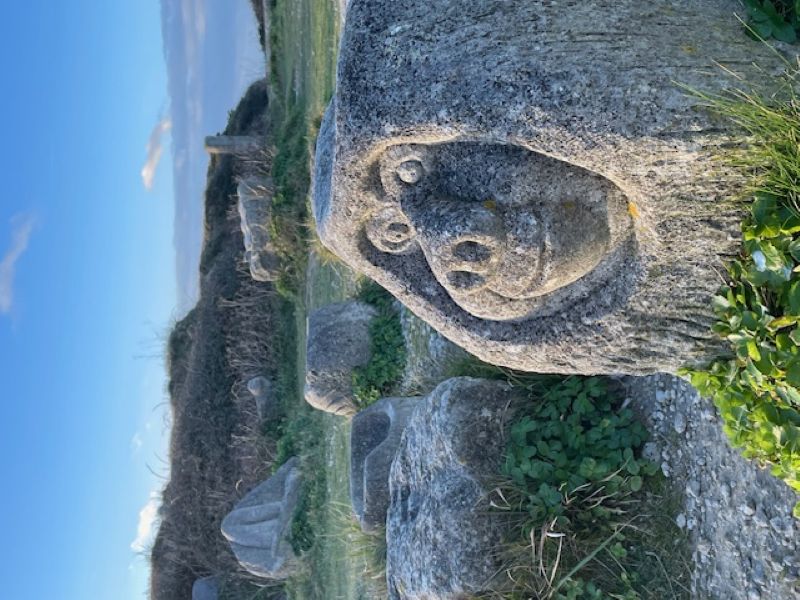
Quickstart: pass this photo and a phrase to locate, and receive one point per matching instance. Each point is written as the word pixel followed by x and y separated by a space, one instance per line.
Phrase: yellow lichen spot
pixel 490 204
pixel 689 49
pixel 633 210
pixel 570 206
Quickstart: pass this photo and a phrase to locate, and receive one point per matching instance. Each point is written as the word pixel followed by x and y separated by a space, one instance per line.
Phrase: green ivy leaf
pixel 636 483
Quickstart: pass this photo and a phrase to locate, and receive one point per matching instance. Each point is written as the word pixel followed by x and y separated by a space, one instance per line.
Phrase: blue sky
pixel 87 293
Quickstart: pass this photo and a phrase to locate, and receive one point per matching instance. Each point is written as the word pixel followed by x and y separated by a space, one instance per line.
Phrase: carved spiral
pixel 390 231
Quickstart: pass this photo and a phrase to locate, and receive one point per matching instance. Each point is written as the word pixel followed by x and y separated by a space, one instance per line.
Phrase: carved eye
pixel 410 171
pixel 389 230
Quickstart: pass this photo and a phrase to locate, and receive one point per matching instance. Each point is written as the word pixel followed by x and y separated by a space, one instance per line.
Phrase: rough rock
pixel 745 542
pixel 338 342
pixel 206 588
pixel 263 392
pixel 528 179
pixel 259 526
pixel 374 438
pixel 440 532
pixel 254 213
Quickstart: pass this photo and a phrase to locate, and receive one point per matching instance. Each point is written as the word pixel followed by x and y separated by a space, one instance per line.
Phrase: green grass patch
pixel 385 367
pixel 757 387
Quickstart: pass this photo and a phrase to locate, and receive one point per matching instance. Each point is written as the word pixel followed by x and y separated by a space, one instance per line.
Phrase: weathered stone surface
pixel 240 145
pixel 263 392
pixel 338 341
pixel 206 588
pixel 374 438
pixel 441 535
pixel 259 526
pixel 528 178
pixel 254 214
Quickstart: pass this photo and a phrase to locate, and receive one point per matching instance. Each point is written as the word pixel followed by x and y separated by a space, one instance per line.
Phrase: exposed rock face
pixel 542 194
pixel 263 391
pixel 206 588
pixel 440 533
pixel 239 145
pixel 374 438
pixel 338 342
pixel 259 526
pixel 254 213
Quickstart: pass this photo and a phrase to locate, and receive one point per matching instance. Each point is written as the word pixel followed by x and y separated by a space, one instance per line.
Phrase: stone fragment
pixel 206 588
pixel 263 392
pixel 338 342
pixel 374 438
pixel 254 214
pixel 441 535
pixel 258 528
pixel 544 196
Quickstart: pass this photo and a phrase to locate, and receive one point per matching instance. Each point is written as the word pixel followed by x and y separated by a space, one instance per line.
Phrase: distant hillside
pixel 217 450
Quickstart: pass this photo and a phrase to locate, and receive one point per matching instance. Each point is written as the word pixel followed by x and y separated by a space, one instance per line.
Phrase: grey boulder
pixel 338 342
pixel 254 205
pixel 206 588
pixel 540 192
pixel 374 438
pixel 258 528
pixel 441 535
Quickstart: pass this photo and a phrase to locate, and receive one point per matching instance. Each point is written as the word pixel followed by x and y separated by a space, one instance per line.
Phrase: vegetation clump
pixel 757 387
pixel 388 353
pixel 576 491
pixel 779 19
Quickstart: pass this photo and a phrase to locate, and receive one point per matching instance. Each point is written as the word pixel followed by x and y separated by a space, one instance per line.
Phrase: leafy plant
pixel 388 358
pixel 757 387
pixel 574 444
pixel 768 19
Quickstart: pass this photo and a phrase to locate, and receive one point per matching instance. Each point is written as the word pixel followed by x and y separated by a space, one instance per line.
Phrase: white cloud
pixel 136 442
pixel 23 226
pixel 155 148
pixel 148 522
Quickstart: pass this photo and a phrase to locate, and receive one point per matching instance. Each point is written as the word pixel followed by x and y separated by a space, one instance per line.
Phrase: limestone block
pixel 254 213
pixel 206 588
pixel 442 537
pixel 528 178
pixel 374 438
pixel 258 528
pixel 337 342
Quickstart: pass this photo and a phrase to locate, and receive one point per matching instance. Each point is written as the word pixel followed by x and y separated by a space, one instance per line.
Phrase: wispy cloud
pixel 148 520
pixel 22 226
pixel 155 148
pixel 136 442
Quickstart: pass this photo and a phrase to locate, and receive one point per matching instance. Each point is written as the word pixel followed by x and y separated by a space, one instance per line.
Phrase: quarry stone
pixel 263 392
pixel 206 588
pixel 441 535
pixel 374 438
pixel 338 341
pixel 254 205
pixel 528 178
pixel 258 528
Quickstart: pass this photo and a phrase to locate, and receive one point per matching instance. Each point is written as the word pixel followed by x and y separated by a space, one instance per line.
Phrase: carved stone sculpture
pixel 258 528
pixel 374 437
pixel 442 536
pixel 263 392
pixel 528 178
pixel 338 342
pixel 254 213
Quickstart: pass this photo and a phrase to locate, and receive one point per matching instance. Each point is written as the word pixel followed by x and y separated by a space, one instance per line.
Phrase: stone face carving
pixel 442 537
pixel 259 526
pixel 254 214
pixel 338 341
pixel 206 588
pixel 374 437
pixel 542 195
pixel 263 392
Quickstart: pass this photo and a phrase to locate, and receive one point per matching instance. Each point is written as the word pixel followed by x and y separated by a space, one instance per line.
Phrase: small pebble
pixel 680 423
pixel 680 520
